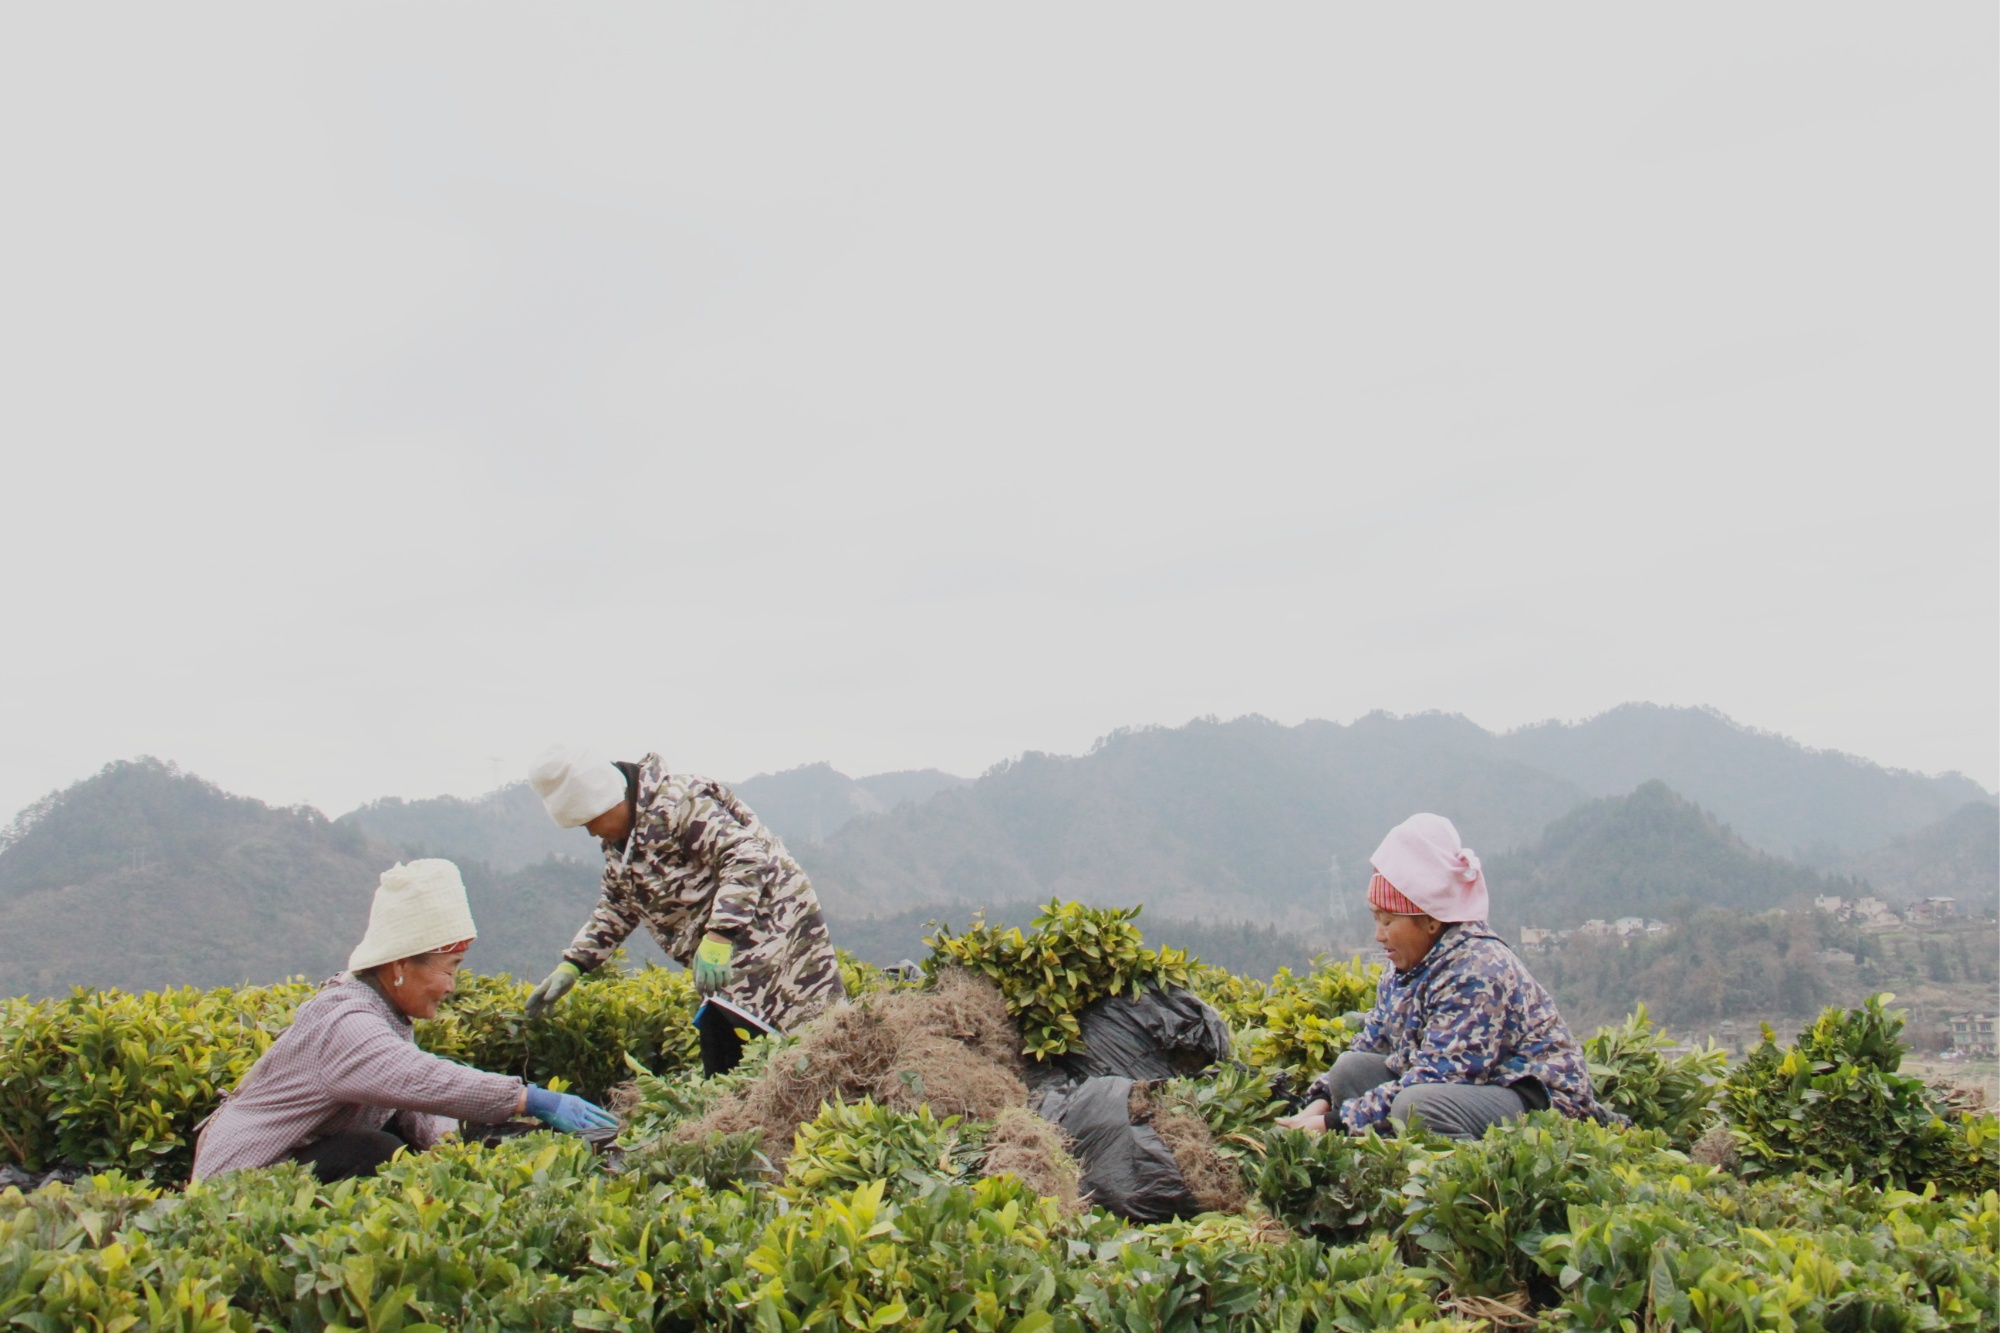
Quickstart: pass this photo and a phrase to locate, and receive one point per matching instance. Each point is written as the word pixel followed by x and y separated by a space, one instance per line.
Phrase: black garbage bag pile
pixel 1096 1095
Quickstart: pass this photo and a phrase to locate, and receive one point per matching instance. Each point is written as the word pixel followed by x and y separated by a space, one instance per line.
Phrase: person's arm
pixel 1463 1021
pixel 614 919
pixel 1374 1037
pixel 1311 1118
pixel 364 1062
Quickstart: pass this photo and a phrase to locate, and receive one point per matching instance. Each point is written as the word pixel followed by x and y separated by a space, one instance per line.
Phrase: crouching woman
pixel 344 1088
pixel 1461 1036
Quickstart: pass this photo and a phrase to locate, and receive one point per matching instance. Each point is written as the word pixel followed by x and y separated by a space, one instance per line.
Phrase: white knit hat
pixel 418 908
pixel 576 785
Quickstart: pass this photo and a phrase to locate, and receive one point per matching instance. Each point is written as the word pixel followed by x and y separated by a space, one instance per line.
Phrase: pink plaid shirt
pixel 348 1061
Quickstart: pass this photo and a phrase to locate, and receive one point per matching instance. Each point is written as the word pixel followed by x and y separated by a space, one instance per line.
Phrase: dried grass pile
pixel 1213 1179
pixel 952 1047
pixel 1025 1145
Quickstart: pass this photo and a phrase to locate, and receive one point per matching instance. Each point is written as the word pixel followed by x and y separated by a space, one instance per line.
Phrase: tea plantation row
pixel 1852 1198
pixel 1561 1224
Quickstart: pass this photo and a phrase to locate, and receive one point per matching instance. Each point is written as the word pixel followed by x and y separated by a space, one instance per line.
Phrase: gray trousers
pixel 1456 1110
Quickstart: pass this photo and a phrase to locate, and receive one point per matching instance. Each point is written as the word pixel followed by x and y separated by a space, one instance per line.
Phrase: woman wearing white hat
pixel 345 1087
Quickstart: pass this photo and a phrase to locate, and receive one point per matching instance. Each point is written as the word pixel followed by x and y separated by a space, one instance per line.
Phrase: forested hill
pixel 143 876
pixel 1271 823
pixel 812 803
pixel 1239 819
pixel 508 829
pixel 1810 805
pixel 1957 857
pixel 1652 854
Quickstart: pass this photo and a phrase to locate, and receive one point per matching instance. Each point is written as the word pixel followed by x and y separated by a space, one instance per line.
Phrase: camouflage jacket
pixel 698 861
pixel 1469 1013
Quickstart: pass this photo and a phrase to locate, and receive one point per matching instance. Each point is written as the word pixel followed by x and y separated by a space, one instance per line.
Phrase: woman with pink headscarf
pixel 1461 1036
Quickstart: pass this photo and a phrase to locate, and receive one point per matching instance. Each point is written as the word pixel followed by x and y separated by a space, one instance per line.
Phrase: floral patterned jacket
pixel 1470 1012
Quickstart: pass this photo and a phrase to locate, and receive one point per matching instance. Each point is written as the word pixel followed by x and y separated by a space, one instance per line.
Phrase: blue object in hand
pixel 571 1115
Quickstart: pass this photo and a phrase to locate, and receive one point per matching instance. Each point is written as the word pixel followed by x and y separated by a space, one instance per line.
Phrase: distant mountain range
pixel 143 876
pixel 507 828
pixel 1245 839
pixel 1252 820
pixel 813 803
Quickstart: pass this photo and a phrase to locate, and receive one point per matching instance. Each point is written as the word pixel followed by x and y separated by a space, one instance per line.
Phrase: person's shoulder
pixel 342 991
pixel 1479 952
pixel 712 794
pixel 344 1000
pixel 660 786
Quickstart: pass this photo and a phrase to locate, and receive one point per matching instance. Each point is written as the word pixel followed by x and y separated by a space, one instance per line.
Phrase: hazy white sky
pixel 388 390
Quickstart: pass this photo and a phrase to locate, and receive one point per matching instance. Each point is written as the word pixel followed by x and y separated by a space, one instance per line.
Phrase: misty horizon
pixel 390 393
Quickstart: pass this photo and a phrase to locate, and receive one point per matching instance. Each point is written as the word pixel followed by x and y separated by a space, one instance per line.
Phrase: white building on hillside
pixel 1872 912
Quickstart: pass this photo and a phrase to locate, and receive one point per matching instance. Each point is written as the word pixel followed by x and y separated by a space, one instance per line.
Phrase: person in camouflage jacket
pixel 1469 1013
pixel 696 866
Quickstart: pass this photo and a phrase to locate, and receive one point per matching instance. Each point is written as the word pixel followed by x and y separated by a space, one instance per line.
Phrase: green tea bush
pixel 109 1080
pixel 1481 1210
pixel 1293 1025
pixel 1070 957
pixel 1236 1103
pixel 864 978
pixel 531 1235
pixel 713 1161
pixel 1336 1186
pixel 1835 1102
pixel 878 1222
pixel 1677 1260
pixel 848 1146
pixel 611 1014
pixel 1631 1072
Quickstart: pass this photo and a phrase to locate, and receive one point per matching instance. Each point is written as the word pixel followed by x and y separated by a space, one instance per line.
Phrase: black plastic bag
pixel 29 1181
pixel 1127 1168
pixel 1160 1034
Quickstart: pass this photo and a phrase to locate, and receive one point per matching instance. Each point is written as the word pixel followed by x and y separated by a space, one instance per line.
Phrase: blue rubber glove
pixel 571 1115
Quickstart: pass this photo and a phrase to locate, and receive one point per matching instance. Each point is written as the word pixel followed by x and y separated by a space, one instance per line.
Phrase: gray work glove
pixel 554 986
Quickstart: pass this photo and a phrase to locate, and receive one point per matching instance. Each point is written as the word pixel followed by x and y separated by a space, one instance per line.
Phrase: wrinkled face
pixel 416 985
pixel 1406 939
pixel 611 827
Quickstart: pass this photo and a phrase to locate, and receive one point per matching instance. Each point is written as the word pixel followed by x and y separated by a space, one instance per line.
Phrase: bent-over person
pixel 344 1087
pixel 1461 1037
pixel 716 888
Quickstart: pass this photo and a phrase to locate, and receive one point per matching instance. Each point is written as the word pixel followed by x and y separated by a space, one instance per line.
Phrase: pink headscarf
pixel 1426 863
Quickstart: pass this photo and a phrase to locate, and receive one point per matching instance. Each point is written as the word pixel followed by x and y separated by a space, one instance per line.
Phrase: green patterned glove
pixel 553 988
pixel 712 966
